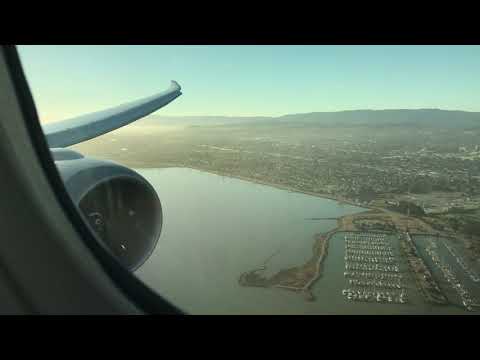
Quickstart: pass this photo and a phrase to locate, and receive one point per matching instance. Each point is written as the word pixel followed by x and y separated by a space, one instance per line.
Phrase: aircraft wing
pixel 85 127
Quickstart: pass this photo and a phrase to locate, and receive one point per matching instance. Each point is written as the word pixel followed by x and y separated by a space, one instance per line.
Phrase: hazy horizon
pixel 245 81
pixel 159 114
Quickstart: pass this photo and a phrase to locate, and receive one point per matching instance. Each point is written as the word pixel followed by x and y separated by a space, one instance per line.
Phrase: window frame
pixel 133 288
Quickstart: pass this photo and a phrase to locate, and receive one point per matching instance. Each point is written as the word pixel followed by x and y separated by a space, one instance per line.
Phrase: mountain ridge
pixel 426 117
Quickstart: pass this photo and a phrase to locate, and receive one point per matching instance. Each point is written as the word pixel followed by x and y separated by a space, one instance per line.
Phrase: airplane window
pixel 275 179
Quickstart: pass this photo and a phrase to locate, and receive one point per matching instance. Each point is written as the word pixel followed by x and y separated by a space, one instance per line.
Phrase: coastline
pixel 288 279
pixel 365 208
pixel 266 183
pixel 302 278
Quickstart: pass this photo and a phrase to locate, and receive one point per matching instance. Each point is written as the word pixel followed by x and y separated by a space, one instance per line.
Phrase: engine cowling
pixel 121 207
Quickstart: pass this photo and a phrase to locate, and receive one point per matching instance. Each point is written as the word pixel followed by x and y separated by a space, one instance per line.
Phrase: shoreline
pixel 320 251
pixel 364 208
pixel 266 183
pixel 301 279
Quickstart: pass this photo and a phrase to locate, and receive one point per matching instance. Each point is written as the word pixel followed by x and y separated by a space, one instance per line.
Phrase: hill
pixel 419 118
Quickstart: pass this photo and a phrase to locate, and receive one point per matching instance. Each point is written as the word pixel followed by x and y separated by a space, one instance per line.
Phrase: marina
pixel 371 266
pixel 471 273
pixel 459 280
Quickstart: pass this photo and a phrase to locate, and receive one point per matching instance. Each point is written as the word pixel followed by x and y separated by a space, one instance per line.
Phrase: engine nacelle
pixel 121 206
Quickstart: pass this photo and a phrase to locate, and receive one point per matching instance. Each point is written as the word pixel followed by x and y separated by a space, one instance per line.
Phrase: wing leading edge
pixel 85 127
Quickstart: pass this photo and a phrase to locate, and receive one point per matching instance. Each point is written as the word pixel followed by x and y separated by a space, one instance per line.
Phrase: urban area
pixel 418 182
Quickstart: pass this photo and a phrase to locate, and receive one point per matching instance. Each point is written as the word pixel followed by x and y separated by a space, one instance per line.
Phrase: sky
pixel 256 80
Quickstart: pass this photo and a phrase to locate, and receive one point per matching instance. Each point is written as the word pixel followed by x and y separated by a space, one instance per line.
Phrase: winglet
pixel 85 127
